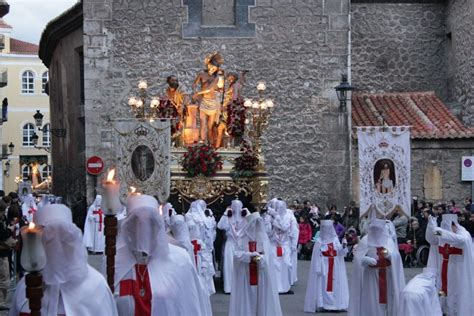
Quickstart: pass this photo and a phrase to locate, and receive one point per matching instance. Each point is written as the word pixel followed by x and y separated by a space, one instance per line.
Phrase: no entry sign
pixel 94 165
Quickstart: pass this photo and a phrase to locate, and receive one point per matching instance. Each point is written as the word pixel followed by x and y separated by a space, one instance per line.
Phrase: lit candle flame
pixel 161 210
pixel 110 175
pixel 132 190
pixel 31 225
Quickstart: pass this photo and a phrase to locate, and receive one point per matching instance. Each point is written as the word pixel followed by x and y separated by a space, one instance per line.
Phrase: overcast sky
pixel 29 17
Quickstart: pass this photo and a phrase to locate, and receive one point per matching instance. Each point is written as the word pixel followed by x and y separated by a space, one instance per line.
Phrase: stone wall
pixel 299 47
pixel 460 16
pixel 399 46
pixel 67 112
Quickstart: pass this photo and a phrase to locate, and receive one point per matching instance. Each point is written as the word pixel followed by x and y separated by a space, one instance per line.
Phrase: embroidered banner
pixel 384 169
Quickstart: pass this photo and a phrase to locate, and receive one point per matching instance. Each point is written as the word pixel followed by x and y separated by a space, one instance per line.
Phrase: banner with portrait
pixel 384 169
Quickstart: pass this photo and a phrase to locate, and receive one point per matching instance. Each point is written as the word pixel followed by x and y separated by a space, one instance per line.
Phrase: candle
pixel 33 257
pixel 112 199
pixel 161 210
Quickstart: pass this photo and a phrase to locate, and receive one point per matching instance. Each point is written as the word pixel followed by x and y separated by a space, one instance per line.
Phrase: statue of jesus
pixel 211 82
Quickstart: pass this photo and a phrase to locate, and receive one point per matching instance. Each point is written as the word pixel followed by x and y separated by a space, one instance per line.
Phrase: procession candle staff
pixel 112 202
pixel 33 260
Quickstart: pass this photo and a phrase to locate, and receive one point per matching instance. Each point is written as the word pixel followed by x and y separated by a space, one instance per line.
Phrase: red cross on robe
pixel 100 213
pixel 445 252
pixel 196 249
pixel 382 264
pixel 279 251
pixel 32 211
pixel 253 266
pixel 330 253
pixel 133 287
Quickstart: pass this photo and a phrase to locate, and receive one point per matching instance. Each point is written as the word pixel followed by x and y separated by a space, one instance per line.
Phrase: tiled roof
pixel 24 48
pixel 427 115
pixel 4 25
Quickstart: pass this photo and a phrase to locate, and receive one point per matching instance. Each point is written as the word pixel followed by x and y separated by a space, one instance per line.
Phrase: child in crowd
pixel 305 235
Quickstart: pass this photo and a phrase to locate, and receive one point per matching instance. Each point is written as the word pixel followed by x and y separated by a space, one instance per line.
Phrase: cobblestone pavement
pixel 292 305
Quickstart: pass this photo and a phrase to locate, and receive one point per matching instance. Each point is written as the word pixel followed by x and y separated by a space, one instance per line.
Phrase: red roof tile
pixel 21 47
pixel 427 115
pixel 4 25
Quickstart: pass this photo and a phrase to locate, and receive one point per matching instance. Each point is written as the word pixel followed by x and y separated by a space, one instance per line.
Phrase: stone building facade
pixel 61 50
pixel 423 45
pixel 300 48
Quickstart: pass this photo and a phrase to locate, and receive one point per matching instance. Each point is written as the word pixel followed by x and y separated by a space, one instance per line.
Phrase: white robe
pixel 29 208
pixel 89 296
pixel 420 297
pixel 317 296
pixel 281 232
pixel 460 277
pixel 253 300
pixel 176 289
pixel 196 222
pixel 364 286
pixel 94 238
pixel 208 253
pixel 294 234
pixel 233 229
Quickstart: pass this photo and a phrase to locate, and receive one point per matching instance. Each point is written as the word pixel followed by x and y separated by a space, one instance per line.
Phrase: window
pixel 28 131
pixel 28 82
pixel 47 135
pixel 26 171
pixel 45 172
pixel 44 81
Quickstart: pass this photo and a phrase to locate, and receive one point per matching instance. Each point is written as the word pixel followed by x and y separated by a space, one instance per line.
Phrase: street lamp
pixel 35 139
pixel 341 91
pixel 58 132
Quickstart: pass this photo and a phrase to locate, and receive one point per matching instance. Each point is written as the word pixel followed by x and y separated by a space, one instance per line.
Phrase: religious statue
pixel 180 101
pixel 232 93
pixel 209 97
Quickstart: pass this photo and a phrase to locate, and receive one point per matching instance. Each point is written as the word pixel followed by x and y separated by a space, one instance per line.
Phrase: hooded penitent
pixel 281 241
pixel 327 281
pixel 69 280
pixel 254 291
pixel 94 238
pixel 29 207
pixel 232 223
pixel 451 256
pixel 152 277
pixel 377 277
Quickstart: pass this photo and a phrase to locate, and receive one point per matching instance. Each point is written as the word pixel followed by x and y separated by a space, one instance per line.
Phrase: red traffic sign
pixel 94 165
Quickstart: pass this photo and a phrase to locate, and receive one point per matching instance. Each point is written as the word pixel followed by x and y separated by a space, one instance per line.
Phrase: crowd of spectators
pixel 410 231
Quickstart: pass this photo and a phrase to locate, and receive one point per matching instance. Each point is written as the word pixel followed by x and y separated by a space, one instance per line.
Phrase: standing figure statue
pixel 232 93
pixel 209 96
pixel 180 101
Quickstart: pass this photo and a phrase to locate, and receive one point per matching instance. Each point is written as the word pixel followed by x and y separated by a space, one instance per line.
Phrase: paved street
pixel 292 305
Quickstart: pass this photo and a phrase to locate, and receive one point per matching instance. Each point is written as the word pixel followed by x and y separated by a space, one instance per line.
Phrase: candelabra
pixel 258 113
pixel 144 107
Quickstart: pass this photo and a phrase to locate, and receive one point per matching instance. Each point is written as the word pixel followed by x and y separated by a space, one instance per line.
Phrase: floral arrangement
pixel 247 163
pixel 201 159
pixel 236 118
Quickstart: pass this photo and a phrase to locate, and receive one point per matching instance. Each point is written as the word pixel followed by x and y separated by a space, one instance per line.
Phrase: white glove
pixel 432 221
pixel 368 261
pixel 344 242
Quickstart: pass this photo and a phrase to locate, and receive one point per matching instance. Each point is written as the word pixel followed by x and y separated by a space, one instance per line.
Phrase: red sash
pixel 133 288
pixel 382 264
pixel 279 251
pixel 253 266
pixel 446 251
pixel 100 213
pixel 330 253
pixel 196 248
